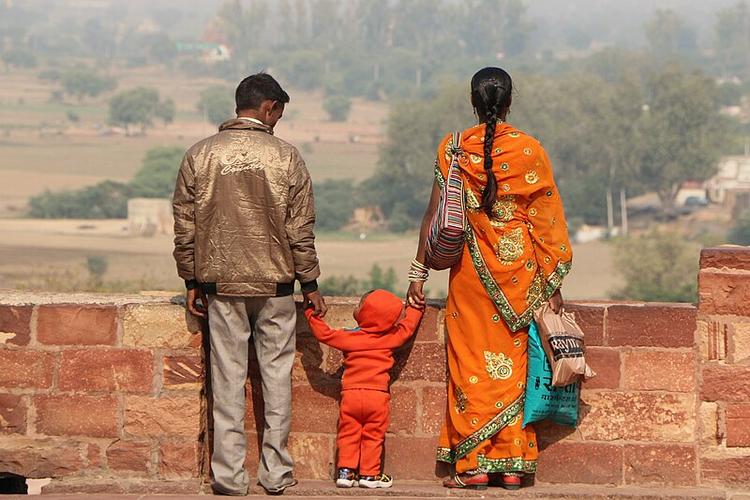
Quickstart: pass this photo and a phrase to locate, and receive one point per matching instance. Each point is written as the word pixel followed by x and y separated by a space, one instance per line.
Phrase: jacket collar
pixel 244 124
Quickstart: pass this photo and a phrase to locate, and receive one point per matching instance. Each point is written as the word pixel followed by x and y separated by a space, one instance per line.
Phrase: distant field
pixel 40 149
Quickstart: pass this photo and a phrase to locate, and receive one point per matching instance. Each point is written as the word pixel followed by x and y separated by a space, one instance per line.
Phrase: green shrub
pixel 337 107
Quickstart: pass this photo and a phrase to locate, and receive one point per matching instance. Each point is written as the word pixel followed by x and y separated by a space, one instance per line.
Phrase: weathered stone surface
pixel 724 293
pixel 94 456
pixel 410 457
pixel 179 459
pixel 725 467
pixel 590 318
pixel 434 401
pixel 738 424
pixel 725 258
pixel 726 383
pixel 403 410
pixel 741 342
pixel 129 456
pixel 313 411
pixel 638 416
pixel 589 463
pixel 712 333
pixel 548 433
pixel 75 415
pixel 651 325
pixel 660 464
pixel 168 415
pixel 76 325
pixel 708 420
pixel 15 325
pixel 313 455
pixel 12 414
pixel 148 325
pixel 39 458
pixel 659 370
pixel 421 362
pixel 428 328
pixel 253 451
pixel 606 363
pixel 183 371
pixel 128 370
pixel 26 369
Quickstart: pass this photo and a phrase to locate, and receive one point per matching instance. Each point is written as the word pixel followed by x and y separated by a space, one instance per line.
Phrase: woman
pixel 516 255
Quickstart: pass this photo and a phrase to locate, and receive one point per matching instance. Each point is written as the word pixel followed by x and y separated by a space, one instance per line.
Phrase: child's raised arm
pixel 324 333
pixel 405 329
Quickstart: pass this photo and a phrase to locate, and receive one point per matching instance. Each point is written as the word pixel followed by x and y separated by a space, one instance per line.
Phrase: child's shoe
pixel 346 478
pixel 379 481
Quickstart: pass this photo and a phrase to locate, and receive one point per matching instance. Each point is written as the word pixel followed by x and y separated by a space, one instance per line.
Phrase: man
pixel 244 217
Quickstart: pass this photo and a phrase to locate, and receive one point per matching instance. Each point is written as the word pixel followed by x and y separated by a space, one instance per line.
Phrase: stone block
pixel 403 410
pixel 591 320
pixel 724 293
pixel 708 421
pixel 94 456
pixel 253 452
pixel 76 325
pixel 651 325
pixel 22 369
pixel 76 415
pixel 606 363
pixel 434 401
pixel 160 326
pixel 428 328
pixel 659 370
pixel 313 455
pixel 314 411
pixel 183 371
pixel 726 383
pixel 169 415
pixel 179 459
pixel 129 456
pixel 588 463
pixel 740 342
pixel 412 458
pixel 40 458
pixel 712 338
pixel 127 370
pixel 725 258
pixel 673 465
pixel 738 424
pixel 725 467
pixel 13 410
pixel 425 362
pixel 15 325
pixel 637 416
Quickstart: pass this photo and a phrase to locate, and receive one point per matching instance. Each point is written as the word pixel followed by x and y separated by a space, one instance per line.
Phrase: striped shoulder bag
pixel 445 241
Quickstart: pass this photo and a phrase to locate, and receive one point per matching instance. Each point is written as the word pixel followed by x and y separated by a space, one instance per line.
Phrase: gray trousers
pixel 271 323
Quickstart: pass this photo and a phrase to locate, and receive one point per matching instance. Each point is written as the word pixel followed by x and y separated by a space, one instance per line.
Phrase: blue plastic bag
pixel 543 400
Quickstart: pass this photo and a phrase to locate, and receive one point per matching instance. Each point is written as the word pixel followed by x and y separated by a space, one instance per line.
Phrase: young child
pixel 365 410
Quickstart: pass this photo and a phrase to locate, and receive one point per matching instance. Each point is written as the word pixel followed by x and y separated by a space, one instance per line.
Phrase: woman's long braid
pixel 489 194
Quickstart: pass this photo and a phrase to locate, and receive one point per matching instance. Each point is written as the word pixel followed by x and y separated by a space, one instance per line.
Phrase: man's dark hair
pixel 255 89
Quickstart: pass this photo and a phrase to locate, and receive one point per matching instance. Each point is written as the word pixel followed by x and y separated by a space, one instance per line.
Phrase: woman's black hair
pixel 491 90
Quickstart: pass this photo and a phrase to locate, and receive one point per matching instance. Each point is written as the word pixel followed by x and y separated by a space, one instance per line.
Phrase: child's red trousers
pixel 364 416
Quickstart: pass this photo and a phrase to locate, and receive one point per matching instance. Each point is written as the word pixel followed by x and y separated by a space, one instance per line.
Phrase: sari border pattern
pixel 513 464
pixel 495 425
pixel 514 320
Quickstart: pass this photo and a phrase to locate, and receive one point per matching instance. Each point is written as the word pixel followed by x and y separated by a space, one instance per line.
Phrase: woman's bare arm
pixel 415 294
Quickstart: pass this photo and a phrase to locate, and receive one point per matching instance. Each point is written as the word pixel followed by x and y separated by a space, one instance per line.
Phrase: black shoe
pixel 379 481
pixel 346 478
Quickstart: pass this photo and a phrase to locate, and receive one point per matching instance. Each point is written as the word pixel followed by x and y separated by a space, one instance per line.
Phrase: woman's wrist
pixel 418 272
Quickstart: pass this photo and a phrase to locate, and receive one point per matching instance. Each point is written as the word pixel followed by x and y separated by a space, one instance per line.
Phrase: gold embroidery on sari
pixel 504 208
pixel 461 400
pixel 510 247
pixel 532 177
pixel 498 366
pixel 536 289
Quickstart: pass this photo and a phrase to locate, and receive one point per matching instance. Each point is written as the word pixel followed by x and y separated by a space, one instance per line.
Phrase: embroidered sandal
pixel 468 481
pixel 511 480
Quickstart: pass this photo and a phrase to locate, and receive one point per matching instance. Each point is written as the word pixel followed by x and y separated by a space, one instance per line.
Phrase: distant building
pixel 150 216
pixel 691 189
pixel 733 178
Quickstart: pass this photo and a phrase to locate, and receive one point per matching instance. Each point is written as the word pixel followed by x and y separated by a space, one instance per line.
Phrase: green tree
pixel 139 106
pixel 334 204
pixel 106 200
pixel 216 104
pixel 733 39
pixel 387 280
pixel 84 82
pixel 739 234
pixel 97 266
pixel 19 57
pixel 657 267
pixel 156 177
pixel 668 35
pixel 165 111
pixel 337 107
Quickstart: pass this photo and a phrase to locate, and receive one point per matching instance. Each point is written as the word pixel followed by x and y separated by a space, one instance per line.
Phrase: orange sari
pixel 513 262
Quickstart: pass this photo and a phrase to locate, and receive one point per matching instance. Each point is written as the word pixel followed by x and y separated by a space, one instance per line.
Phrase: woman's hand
pixel 556 302
pixel 415 295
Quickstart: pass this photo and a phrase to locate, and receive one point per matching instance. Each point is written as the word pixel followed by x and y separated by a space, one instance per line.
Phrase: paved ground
pixel 319 489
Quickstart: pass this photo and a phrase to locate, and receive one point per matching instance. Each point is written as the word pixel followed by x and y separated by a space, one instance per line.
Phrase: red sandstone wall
pixel 101 394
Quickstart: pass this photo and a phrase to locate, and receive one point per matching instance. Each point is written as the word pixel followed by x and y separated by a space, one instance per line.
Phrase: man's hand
pixel 196 308
pixel 415 295
pixel 556 302
pixel 318 303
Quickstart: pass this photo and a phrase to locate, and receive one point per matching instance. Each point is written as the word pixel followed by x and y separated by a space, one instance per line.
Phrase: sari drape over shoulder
pixel 514 260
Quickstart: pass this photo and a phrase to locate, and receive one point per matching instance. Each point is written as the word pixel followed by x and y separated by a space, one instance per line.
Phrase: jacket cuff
pixel 309 287
pixel 190 284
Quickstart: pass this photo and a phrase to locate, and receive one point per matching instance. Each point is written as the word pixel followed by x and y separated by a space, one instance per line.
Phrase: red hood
pixel 380 311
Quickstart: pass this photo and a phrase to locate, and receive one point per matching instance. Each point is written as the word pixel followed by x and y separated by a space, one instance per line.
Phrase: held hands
pixel 415 295
pixel 196 308
pixel 556 302
pixel 316 301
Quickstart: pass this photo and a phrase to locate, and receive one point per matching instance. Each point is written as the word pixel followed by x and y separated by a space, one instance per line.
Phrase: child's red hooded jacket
pixel 368 350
